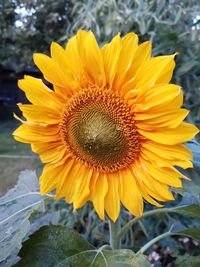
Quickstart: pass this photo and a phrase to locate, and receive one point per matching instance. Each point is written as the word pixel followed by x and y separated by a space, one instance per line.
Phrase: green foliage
pixel 190 210
pixel 15 209
pixel 30 26
pixel 193 188
pixel 194 146
pixel 7 31
pixel 190 232
pixel 62 246
pixel 188 261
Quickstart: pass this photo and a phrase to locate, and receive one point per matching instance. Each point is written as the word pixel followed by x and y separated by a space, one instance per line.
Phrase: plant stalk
pixel 126 227
pixel 114 237
pixel 153 241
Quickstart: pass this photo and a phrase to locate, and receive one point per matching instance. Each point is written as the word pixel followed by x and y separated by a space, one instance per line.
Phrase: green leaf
pixel 194 212
pixel 194 146
pixel 190 232
pixel 15 208
pixel 179 191
pixel 62 246
pixel 188 261
pixel 186 67
pixel 190 210
pixel 193 187
pixel 107 258
pixel 51 245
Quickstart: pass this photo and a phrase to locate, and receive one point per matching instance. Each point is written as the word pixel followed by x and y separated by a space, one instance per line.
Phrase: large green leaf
pixel 186 67
pixel 106 258
pixel 194 146
pixel 190 210
pixel 15 208
pixel 194 212
pixel 190 232
pixel 193 187
pixel 188 261
pixel 62 246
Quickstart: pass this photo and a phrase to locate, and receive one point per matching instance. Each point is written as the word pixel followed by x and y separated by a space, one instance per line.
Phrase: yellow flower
pixel 112 129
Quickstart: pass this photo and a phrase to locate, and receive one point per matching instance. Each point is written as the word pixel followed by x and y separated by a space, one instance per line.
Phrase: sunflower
pixel 111 130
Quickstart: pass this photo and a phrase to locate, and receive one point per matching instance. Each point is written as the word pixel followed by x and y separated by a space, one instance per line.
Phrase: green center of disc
pixel 97 137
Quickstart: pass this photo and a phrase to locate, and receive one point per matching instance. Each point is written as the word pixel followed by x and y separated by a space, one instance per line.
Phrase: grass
pixel 14 157
pixel 8 145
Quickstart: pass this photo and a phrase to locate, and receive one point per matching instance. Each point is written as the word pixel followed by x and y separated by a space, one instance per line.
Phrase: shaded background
pixel 28 26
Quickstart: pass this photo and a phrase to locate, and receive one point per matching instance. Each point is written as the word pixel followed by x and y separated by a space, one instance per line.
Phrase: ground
pixel 14 157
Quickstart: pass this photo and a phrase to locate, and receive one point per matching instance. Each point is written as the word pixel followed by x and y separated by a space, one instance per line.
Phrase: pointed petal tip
pixel 21 82
pixel 101 215
pixel 35 56
pixel 38 58
pixel 113 218
pixel 53 44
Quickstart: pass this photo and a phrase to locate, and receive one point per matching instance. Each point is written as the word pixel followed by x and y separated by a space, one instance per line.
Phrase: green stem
pixel 153 241
pixel 126 227
pixel 114 238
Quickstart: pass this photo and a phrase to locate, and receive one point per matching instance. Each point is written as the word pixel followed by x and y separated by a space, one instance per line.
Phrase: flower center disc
pixel 98 129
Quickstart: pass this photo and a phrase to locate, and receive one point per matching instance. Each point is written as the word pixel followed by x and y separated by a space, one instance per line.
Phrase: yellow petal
pixel 61 189
pixel 35 134
pixel 110 54
pixel 181 134
pixel 71 180
pixel 53 73
pixel 151 71
pixel 140 58
pixel 160 196
pixel 94 178
pixel 141 186
pixel 146 154
pixel 162 174
pixel 39 94
pixel 142 116
pixel 49 178
pixel 75 62
pixel 59 55
pixel 158 97
pixel 83 188
pixel 169 152
pixel 41 114
pixel 171 120
pixel 129 43
pixel 131 198
pixel 91 57
pixel 49 152
pixel 153 187
pixel 100 191
pixel 141 55
pixel 147 196
pixel 166 74
pixel 112 200
pixel 183 164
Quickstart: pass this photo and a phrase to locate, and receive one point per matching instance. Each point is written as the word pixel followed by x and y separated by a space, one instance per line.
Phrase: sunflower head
pixel 111 130
pixel 99 130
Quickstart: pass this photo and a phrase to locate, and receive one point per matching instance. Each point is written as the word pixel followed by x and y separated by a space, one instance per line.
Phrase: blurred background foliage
pixel 28 26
